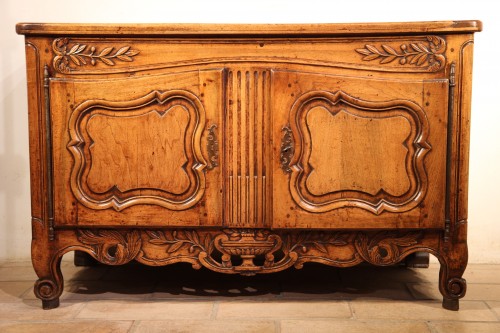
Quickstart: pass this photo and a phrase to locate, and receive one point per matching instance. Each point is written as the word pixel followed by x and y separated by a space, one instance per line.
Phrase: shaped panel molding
pixel 349 152
pixel 142 151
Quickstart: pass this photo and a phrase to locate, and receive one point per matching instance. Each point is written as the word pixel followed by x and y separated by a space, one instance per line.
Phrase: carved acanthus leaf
pixel 112 247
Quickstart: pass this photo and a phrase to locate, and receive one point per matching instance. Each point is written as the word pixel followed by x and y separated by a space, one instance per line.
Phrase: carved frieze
pixel 249 251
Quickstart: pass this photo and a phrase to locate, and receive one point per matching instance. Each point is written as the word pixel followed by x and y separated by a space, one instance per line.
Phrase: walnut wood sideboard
pixel 249 149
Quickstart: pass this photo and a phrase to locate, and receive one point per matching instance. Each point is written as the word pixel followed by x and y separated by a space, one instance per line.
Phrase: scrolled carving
pixel 112 247
pixel 212 148
pixel 456 287
pixel 46 289
pixel 82 54
pixel 286 151
pixel 386 248
pixel 416 54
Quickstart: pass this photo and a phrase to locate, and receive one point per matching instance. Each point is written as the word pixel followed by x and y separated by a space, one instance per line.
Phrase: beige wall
pixel 484 221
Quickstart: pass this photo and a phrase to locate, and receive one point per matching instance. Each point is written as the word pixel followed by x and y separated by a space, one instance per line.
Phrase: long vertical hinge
pixel 449 139
pixel 48 154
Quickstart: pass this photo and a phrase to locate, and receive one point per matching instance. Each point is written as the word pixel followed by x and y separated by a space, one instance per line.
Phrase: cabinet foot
pixel 450 304
pixel 50 304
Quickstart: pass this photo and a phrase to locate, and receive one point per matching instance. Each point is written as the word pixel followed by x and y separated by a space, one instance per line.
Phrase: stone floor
pixel 136 298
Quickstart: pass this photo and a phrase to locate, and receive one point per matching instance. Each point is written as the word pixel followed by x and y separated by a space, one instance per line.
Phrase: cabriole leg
pixel 48 288
pixel 454 256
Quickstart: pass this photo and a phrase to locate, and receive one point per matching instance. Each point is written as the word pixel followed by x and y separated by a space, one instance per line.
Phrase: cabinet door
pixel 137 151
pixel 358 152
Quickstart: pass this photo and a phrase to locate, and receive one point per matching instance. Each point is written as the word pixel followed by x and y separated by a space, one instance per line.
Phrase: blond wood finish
pixel 249 148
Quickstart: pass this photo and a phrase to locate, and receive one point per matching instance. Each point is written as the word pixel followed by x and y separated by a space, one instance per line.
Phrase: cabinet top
pixel 264 30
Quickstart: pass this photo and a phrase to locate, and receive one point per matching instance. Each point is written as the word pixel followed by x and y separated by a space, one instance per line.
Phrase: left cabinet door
pixel 137 151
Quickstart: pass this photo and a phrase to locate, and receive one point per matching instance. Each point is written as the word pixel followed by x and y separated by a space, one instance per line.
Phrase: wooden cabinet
pixel 249 148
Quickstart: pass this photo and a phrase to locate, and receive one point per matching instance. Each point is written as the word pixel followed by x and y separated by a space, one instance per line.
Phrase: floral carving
pixel 82 54
pixel 112 247
pixel 417 54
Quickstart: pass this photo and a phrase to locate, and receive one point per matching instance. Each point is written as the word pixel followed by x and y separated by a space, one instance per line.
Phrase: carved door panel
pixel 137 151
pixel 358 152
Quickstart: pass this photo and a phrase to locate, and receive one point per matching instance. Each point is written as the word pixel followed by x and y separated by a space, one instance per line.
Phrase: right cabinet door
pixel 358 152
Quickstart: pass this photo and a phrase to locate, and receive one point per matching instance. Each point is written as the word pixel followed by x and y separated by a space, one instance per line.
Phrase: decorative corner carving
pixel 286 151
pixel 110 246
pixel 417 54
pixel 81 54
pixel 212 148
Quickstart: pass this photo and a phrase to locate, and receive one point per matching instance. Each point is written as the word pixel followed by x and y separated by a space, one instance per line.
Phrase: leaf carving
pixel 79 57
pixel 105 51
pixel 389 50
pixel 122 50
pixel 174 247
pixel 417 54
pixel 107 61
pixel 127 246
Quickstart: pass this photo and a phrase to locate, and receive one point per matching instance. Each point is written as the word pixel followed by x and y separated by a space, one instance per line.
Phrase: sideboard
pixel 249 149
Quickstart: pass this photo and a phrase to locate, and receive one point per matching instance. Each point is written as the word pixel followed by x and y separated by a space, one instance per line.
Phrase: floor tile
pixel 16 263
pixel 387 290
pixel 32 310
pixel 66 327
pixel 17 273
pixel 205 326
pixel 142 310
pixel 284 309
pixel 475 292
pixel 12 291
pixel 351 326
pixel 421 310
pixel 495 306
pixel 466 327
pixel 482 274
